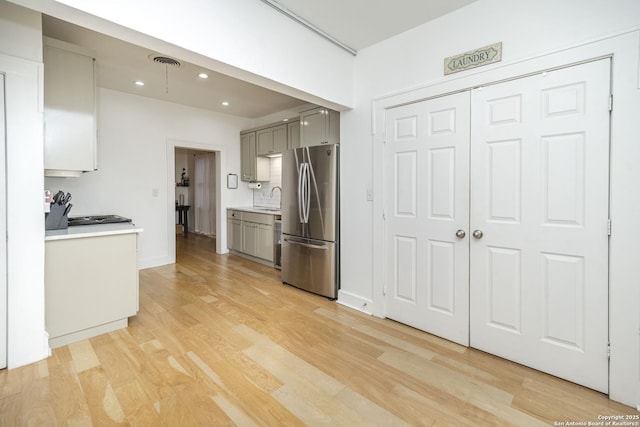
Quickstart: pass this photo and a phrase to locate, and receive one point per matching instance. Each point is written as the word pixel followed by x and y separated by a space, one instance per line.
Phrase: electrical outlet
pixel 155 192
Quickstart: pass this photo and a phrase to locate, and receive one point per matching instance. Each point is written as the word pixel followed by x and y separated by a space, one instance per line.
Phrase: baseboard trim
pixel 354 301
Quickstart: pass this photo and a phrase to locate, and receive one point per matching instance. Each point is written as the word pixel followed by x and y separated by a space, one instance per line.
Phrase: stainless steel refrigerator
pixel 310 219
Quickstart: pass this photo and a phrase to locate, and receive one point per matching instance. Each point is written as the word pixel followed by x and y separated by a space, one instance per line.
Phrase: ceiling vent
pixel 164 60
pixel 167 62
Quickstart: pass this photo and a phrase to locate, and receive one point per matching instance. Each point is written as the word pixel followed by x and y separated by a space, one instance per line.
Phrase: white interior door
pixel 426 203
pixel 539 196
pixel 3 230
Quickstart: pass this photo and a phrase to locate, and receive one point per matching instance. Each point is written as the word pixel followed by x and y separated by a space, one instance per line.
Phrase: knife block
pixel 56 219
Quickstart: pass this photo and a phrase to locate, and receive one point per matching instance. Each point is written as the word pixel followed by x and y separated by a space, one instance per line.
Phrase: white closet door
pixel 426 203
pixel 3 230
pixel 539 196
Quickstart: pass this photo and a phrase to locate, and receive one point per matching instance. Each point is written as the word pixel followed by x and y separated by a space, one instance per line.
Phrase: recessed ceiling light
pixel 225 103
pixel 285 120
pixel 203 75
pixel 139 83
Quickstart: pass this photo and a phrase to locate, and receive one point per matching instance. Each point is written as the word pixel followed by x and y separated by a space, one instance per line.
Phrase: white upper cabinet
pixel 319 126
pixel 69 110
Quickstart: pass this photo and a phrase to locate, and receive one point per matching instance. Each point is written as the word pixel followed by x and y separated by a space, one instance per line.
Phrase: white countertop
pixel 257 209
pixel 80 231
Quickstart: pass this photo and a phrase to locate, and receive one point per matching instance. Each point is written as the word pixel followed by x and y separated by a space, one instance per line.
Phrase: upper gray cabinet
pixel 293 134
pixel 252 166
pixel 271 140
pixel 319 126
pixel 69 109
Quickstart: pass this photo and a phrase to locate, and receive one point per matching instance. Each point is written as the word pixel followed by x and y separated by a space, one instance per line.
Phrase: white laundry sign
pixel 475 58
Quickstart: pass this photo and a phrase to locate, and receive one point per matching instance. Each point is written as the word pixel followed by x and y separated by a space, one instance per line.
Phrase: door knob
pixel 460 234
pixel 477 234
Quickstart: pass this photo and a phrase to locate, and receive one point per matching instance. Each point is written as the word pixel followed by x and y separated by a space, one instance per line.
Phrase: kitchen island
pixel 91 280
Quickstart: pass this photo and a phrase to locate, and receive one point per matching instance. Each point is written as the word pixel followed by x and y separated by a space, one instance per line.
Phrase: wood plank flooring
pixel 220 341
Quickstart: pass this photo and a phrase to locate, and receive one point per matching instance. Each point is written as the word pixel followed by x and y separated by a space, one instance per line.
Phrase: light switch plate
pixel 369 195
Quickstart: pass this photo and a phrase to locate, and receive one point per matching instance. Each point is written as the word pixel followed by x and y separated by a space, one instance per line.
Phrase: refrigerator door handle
pixel 308 194
pixel 306 245
pixel 300 193
pixel 304 197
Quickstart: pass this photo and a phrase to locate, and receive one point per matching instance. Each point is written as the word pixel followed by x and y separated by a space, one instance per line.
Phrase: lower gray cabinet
pixel 250 233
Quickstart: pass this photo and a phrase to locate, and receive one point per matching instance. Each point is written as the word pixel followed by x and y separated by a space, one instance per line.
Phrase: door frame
pixel 3 227
pixel 221 196
pixel 624 377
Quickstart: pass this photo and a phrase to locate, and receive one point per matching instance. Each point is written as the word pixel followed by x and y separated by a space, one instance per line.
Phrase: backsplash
pixel 267 197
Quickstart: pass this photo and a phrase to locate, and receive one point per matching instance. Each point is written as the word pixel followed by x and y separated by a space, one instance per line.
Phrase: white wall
pixel 21 62
pixel 133 136
pixel 415 59
pixel 245 39
pixel 20 32
pixel 410 66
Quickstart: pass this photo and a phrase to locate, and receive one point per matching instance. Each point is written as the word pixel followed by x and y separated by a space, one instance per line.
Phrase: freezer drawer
pixel 310 265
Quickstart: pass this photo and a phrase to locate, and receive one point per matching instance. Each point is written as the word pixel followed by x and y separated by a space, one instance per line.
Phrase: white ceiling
pixel 362 23
pixel 355 23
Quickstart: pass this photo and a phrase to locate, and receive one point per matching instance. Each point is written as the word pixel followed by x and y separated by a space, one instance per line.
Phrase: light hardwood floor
pixel 220 341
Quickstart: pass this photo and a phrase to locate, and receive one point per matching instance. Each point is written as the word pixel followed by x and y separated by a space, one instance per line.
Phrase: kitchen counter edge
pixel 83 231
pixel 266 211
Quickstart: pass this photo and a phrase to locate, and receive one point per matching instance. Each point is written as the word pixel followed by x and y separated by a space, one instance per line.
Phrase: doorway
pixel 219 154
pixel 523 205
pixel 195 175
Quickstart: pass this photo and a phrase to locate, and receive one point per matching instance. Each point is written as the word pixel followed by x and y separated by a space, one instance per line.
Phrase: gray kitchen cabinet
pixel 319 126
pixel 259 240
pixel 264 243
pixel 252 167
pixel 271 140
pixel 250 238
pixel 250 233
pixel 69 109
pixel 234 230
pixel 293 134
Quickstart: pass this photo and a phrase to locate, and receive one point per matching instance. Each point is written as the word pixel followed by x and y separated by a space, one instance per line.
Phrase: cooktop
pixel 96 219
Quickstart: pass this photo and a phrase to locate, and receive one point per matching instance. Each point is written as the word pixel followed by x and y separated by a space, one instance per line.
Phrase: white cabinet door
pixel 89 282
pixel 539 195
pixel 428 202
pixel 69 110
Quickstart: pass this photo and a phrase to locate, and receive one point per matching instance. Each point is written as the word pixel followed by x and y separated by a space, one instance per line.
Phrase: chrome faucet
pixel 271 195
